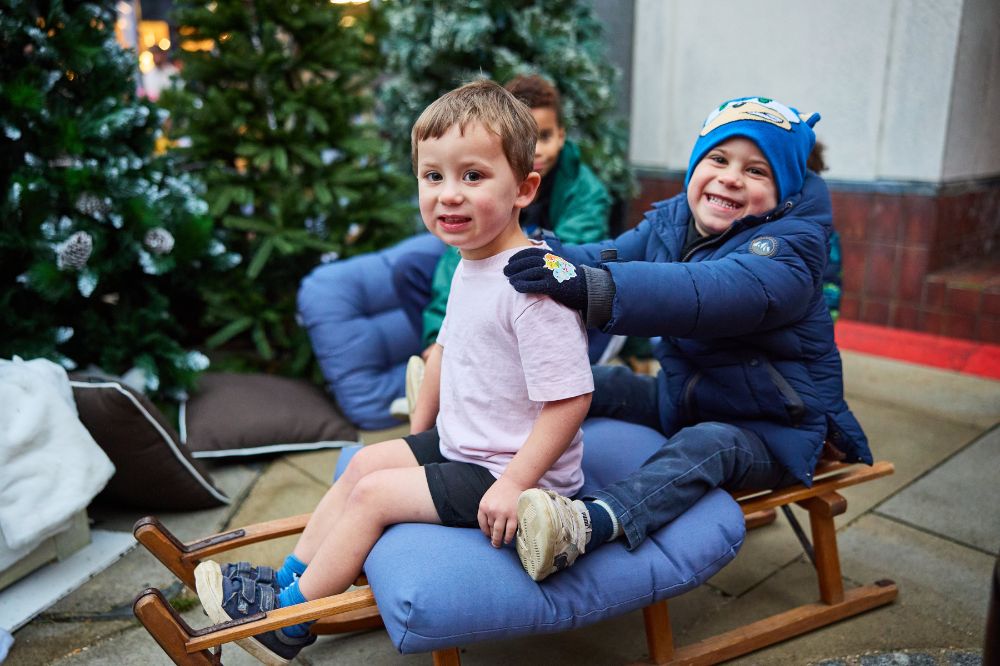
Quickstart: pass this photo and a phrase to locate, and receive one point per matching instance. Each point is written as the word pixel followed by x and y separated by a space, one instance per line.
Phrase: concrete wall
pixel 973 146
pixel 908 89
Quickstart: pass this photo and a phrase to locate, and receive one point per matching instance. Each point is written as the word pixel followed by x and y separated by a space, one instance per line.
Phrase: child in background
pixel 507 386
pixel 730 275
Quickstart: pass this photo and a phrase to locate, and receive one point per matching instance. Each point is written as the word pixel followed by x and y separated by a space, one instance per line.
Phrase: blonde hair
pixel 488 103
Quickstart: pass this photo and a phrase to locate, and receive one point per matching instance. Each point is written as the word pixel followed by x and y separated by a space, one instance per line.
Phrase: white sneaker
pixel 414 377
pixel 552 531
pixel 398 409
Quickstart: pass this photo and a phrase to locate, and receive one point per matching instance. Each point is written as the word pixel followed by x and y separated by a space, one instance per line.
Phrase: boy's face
pixel 732 181
pixel 551 137
pixel 469 195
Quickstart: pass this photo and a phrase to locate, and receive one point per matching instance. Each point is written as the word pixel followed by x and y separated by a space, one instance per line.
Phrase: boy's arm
pixel 551 434
pixel 428 397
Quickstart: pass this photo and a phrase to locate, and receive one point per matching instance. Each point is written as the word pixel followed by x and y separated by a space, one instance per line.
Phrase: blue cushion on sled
pixel 439 587
pixel 359 332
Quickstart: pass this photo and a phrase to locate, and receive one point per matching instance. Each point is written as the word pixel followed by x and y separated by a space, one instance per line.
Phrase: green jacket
pixel 578 210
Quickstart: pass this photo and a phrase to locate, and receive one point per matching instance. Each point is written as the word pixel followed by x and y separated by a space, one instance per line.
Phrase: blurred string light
pixel 152 34
pixel 189 43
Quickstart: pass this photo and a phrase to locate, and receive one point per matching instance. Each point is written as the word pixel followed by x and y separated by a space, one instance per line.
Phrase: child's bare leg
pixel 380 499
pixel 384 455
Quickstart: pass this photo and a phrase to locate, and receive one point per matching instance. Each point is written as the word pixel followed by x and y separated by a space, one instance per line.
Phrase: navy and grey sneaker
pixel 240 595
pixel 262 574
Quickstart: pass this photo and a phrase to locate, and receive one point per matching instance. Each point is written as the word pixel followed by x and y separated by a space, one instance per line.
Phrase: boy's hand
pixel 538 271
pixel 498 511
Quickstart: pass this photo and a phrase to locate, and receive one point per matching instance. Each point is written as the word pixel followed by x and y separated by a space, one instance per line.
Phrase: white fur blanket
pixel 50 466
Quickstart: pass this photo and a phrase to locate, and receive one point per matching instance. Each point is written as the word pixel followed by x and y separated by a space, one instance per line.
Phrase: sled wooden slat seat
pixel 356 609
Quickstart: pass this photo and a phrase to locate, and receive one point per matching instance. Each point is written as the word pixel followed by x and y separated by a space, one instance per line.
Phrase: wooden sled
pixel 356 609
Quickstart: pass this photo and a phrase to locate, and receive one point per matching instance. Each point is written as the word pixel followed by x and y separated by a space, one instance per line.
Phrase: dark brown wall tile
pixel 885 221
pixel 989 330
pixel 919 219
pixel 934 290
pixel 875 312
pixel 960 326
pixel 962 301
pixel 905 316
pixel 912 271
pixel 932 322
pixel 850 307
pixel 991 303
pixel 852 255
pixel 880 275
pixel 850 215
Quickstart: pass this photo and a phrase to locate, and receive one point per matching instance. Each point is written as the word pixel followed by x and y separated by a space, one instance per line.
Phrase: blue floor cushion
pixel 439 587
pixel 359 331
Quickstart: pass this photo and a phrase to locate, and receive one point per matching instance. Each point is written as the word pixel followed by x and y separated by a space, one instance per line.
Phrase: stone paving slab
pixel 942 582
pixel 283 490
pixel 959 499
pixel 44 642
pixel 950 395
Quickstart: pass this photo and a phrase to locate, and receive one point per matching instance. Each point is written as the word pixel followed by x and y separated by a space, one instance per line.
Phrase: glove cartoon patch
pixel 561 269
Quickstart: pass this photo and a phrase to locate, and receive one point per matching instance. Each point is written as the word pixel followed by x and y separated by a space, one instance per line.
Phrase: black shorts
pixel 456 487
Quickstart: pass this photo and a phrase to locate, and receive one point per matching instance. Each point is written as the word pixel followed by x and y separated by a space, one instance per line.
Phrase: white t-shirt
pixel 505 354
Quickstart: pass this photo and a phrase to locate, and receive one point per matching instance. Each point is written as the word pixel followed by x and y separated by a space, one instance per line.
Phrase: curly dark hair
pixel 536 92
pixel 815 162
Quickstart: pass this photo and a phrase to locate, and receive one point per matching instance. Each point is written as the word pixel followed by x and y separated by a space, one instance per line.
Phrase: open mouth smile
pixel 722 202
pixel 453 223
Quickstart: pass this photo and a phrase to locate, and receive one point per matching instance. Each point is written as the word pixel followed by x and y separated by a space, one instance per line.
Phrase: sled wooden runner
pixel 356 609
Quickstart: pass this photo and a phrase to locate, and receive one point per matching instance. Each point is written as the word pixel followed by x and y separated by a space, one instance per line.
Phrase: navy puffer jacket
pixel 746 335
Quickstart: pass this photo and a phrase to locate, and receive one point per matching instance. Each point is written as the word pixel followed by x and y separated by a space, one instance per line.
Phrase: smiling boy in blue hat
pixel 729 275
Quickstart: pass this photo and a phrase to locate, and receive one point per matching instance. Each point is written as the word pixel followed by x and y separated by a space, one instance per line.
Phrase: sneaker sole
pixel 534 547
pixel 208 584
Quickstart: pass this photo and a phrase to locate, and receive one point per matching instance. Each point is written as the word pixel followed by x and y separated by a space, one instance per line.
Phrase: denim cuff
pixel 633 536
pixel 600 296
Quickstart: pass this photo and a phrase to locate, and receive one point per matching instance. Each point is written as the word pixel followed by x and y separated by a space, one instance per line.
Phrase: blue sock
pixel 290 596
pixel 289 571
pixel 601 527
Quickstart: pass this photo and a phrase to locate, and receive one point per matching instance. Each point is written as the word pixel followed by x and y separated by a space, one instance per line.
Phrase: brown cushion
pixel 235 414
pixel 153 470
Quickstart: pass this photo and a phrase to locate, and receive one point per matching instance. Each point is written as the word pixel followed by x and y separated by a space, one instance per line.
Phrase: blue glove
pixel 538 271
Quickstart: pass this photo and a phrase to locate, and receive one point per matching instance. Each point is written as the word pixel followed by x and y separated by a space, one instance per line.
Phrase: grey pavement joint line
pixel 936 535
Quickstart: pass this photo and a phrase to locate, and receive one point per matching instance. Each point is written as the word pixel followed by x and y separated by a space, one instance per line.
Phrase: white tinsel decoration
pixel 73 253
pixel 159 241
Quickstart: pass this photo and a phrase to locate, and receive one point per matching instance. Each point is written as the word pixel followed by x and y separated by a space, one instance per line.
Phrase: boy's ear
pixel 527 189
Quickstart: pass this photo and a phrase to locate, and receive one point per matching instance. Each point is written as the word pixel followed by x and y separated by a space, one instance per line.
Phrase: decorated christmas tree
pixel 101 243
pixel 435 45
pixel 275 118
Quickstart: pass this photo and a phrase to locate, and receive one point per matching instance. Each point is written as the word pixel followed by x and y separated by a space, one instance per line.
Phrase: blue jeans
pixel 690 463
pixel 412 275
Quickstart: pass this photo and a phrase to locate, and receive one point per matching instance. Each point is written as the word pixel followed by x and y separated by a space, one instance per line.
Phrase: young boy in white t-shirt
pixel 506 387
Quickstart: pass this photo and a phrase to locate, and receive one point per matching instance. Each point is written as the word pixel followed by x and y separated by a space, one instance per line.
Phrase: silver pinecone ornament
pixel 159 241
pixel 73 253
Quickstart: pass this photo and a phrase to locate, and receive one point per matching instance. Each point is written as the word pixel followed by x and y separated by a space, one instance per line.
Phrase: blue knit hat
pixel 784 135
